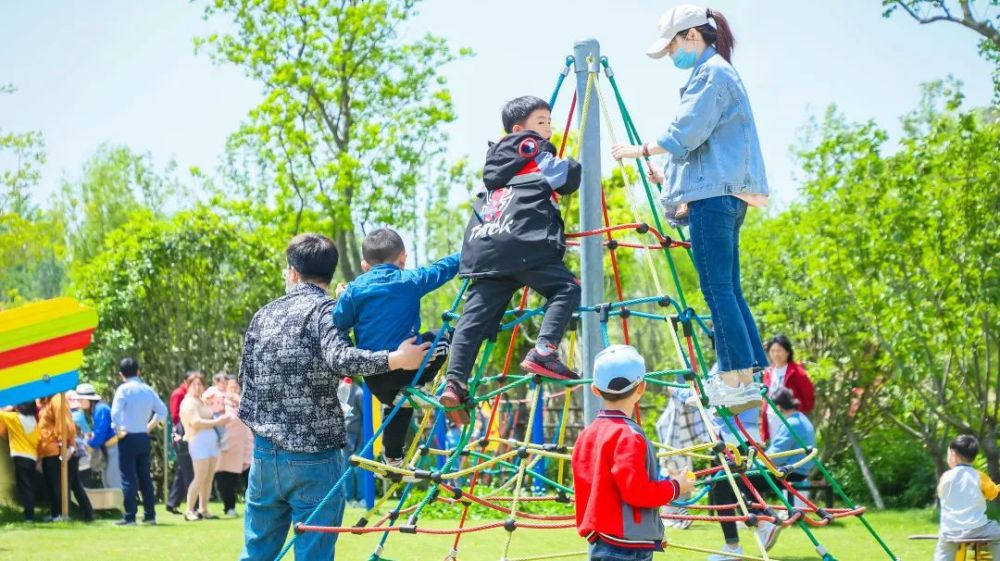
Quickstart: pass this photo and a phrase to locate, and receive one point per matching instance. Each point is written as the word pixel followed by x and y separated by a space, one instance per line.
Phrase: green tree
pixel 31 248
pixel 177 293
pixel 886 270
pixel 116 184
pixel 351 115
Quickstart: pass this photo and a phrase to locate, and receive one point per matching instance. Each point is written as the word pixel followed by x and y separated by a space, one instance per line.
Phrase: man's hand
pixel 409 355
pixel 341 288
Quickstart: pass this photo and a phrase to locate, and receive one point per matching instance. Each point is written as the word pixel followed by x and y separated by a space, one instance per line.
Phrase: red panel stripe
pixel 43 349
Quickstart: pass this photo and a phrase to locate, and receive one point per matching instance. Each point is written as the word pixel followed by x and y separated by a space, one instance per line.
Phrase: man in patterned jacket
pixel 293 359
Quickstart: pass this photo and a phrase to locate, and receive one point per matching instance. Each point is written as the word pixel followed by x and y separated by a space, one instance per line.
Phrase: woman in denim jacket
pixel 713 171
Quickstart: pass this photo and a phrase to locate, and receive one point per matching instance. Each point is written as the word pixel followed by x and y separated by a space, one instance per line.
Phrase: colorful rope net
pixel 455 474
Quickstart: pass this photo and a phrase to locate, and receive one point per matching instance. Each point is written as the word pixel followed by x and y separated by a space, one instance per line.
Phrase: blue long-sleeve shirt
pixel 134 405
pixel 102 426
pixel 382 306
pixel 783 440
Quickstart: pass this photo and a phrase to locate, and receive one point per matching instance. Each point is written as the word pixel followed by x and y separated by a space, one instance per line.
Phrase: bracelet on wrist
pixel 645 149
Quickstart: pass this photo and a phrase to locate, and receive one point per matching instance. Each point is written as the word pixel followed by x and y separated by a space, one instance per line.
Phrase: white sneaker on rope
pixel 727 553
pixel 768 534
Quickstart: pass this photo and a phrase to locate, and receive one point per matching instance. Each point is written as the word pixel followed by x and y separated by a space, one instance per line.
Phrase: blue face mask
pixel 684 59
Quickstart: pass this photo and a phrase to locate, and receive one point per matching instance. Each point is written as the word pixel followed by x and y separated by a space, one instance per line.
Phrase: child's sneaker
pixel 547 365
pixel 727 553
pixel 768 534
pixel 455 396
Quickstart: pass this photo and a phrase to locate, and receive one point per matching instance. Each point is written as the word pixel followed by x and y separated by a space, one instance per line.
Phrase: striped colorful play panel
pixel 41 348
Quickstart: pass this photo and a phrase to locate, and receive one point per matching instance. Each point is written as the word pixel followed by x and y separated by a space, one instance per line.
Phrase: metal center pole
pixel 588 56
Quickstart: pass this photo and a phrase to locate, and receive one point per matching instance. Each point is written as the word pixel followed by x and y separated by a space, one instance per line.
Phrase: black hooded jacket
pixel 516 224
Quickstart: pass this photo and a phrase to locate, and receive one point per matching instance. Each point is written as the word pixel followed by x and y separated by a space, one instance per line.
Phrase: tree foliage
pixel 178 294
pixel 351 115
pixel 31 248
pixel 886 270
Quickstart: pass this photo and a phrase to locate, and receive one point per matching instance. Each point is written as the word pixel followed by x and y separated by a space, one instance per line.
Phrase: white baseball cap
pixel 618 369
pixel 673 22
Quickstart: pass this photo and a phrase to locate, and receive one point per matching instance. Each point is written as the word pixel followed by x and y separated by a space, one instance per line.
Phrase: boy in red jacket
pixel 615 470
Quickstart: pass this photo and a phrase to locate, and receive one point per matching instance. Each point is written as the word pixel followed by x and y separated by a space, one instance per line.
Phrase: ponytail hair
pixel 720 36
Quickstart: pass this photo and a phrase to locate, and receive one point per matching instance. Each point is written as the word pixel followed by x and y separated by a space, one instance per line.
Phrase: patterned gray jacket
pixel 293 359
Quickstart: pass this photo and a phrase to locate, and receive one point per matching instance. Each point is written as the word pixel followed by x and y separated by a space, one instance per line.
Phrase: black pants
pixel 134 460
pixel 722 493
pixel 24 475
pixel 229 484
pixel 53 481
pixel 386 388
pixel 489 298
pixel 183 475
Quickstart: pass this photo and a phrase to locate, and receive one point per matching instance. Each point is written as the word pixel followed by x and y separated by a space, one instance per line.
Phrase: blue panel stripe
pixel 39 388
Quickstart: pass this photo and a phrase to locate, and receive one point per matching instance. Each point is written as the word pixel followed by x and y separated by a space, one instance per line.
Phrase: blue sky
pixel 125 72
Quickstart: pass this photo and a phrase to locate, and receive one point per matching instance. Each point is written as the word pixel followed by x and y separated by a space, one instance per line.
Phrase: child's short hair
pixel 783 398
pixel 965 445
pixel 517 110
pixel 615 397
pixel 382 246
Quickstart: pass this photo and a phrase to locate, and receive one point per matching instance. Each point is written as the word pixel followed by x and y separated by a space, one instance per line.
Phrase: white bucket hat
pixel 673 22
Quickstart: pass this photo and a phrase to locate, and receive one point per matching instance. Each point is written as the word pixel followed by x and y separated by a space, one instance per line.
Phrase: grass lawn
pixel 221 540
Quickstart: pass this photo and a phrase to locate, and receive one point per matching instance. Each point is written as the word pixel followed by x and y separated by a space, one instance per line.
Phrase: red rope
pixel 614 265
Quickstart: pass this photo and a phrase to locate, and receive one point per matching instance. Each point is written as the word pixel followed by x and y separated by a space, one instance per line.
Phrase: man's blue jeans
pixel 287 487
pixel 715 240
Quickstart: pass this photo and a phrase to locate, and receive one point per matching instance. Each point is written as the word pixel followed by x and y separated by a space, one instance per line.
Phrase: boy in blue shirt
pixel 382 306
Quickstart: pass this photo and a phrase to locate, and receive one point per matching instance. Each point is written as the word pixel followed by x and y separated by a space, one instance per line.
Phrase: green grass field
pixel 221 540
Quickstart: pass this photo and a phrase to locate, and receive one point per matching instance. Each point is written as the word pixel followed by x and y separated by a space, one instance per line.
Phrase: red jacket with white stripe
pixel 618 491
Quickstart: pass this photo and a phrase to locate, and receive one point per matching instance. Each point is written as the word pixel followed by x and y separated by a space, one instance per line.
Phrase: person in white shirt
pixel 963 492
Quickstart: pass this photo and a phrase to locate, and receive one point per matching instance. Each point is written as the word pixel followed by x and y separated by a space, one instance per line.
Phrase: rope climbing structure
pixel 492 467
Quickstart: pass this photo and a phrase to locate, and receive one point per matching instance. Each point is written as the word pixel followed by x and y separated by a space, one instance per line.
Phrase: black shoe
pixel 149 521
pixel 125 523
pixel 547 365
pixel 173 510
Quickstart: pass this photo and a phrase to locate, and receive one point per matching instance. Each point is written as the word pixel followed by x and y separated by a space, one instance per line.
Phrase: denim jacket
pixel 712 144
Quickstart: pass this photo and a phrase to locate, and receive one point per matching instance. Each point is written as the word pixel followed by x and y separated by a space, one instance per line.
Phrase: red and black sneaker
pixel 455 396
pixel 547 365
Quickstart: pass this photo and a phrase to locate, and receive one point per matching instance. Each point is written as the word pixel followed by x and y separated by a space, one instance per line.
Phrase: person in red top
pixel 617 488
pixel 784 372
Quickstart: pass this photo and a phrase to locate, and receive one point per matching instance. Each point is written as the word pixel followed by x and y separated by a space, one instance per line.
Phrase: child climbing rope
pixel 617 488
pixel 382 306
pixel 515 238
pixel 714 170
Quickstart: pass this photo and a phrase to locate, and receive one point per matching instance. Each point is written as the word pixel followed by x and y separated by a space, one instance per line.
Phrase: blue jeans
pixel 133 460
pixel 715 241
pixel 287 487
pixel 601 551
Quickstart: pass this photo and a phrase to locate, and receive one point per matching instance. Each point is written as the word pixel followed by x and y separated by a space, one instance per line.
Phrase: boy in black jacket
pixel 515 238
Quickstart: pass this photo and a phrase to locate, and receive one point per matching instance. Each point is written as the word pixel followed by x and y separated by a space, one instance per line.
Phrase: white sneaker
pixel 232 513
pixel 727 553
pixel 737 399
pixel 768 534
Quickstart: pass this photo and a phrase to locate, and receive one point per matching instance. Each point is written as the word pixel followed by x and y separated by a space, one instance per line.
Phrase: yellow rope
pixel 523 467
